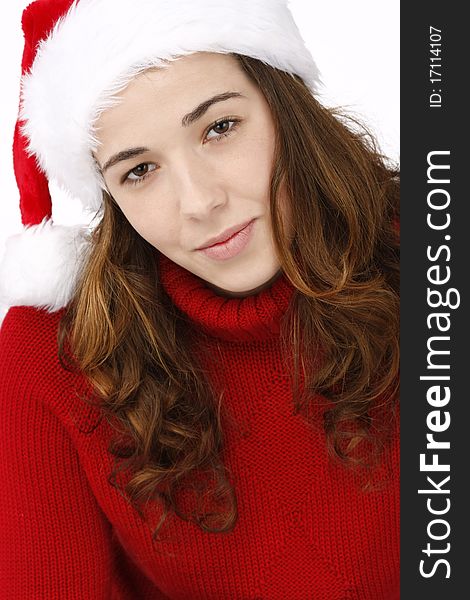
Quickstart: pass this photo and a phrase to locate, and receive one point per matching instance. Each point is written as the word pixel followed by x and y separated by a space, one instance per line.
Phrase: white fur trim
pixel 41 265
pixel 100 45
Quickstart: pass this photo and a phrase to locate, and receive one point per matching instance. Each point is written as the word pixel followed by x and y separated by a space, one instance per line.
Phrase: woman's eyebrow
pixel 123 155
pixel 197 113
pixel 187 120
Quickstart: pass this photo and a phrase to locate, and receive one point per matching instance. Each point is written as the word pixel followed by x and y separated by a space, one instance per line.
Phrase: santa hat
pixel 78 56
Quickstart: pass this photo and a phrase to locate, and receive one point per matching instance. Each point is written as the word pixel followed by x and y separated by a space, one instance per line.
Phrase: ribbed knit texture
pixel 307 528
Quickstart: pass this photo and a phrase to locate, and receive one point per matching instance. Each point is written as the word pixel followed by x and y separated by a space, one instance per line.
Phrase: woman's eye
pixel 222 129
pixel 140 172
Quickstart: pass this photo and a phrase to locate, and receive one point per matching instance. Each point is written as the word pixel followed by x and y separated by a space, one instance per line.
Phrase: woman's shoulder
pixel 30 368
pixel 28 341
pixel 29 318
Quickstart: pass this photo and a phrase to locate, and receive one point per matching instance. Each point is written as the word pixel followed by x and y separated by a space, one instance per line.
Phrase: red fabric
pixel 35 201
pixel 306 527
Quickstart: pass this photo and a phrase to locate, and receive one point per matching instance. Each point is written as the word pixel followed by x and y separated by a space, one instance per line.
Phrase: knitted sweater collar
pixel 252 318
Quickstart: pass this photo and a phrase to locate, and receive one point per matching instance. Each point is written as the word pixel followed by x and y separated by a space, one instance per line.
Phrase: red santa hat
pixel 78 56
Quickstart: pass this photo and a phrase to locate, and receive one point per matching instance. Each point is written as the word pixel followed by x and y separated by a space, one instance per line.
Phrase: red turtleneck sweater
pixel 306 528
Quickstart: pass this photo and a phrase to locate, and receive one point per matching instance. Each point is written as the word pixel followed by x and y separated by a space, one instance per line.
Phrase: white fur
pixel 100 45
pixel 41 265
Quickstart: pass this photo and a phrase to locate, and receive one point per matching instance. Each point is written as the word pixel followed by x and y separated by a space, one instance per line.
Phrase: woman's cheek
pixel 258 171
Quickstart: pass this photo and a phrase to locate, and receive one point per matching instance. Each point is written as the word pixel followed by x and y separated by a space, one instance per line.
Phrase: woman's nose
pixel 199 191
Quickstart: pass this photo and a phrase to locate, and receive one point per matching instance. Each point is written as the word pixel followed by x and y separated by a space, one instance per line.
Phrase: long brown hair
pixel 122 331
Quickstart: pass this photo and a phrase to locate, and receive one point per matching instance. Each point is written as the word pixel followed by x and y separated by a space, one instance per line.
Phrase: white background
pixel 356 46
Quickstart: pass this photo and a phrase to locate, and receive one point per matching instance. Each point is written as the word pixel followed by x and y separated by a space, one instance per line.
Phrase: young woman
pixel 207 409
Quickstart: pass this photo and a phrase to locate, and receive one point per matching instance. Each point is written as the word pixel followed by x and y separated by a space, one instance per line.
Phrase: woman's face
pixel 187 155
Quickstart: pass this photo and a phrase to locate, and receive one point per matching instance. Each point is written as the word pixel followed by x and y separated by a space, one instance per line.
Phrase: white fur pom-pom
pixel 41 265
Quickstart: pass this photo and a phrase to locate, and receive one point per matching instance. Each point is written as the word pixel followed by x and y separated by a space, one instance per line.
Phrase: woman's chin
pixel 246 289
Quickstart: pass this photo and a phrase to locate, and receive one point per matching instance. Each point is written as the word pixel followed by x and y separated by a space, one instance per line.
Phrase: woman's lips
pixel 231 246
